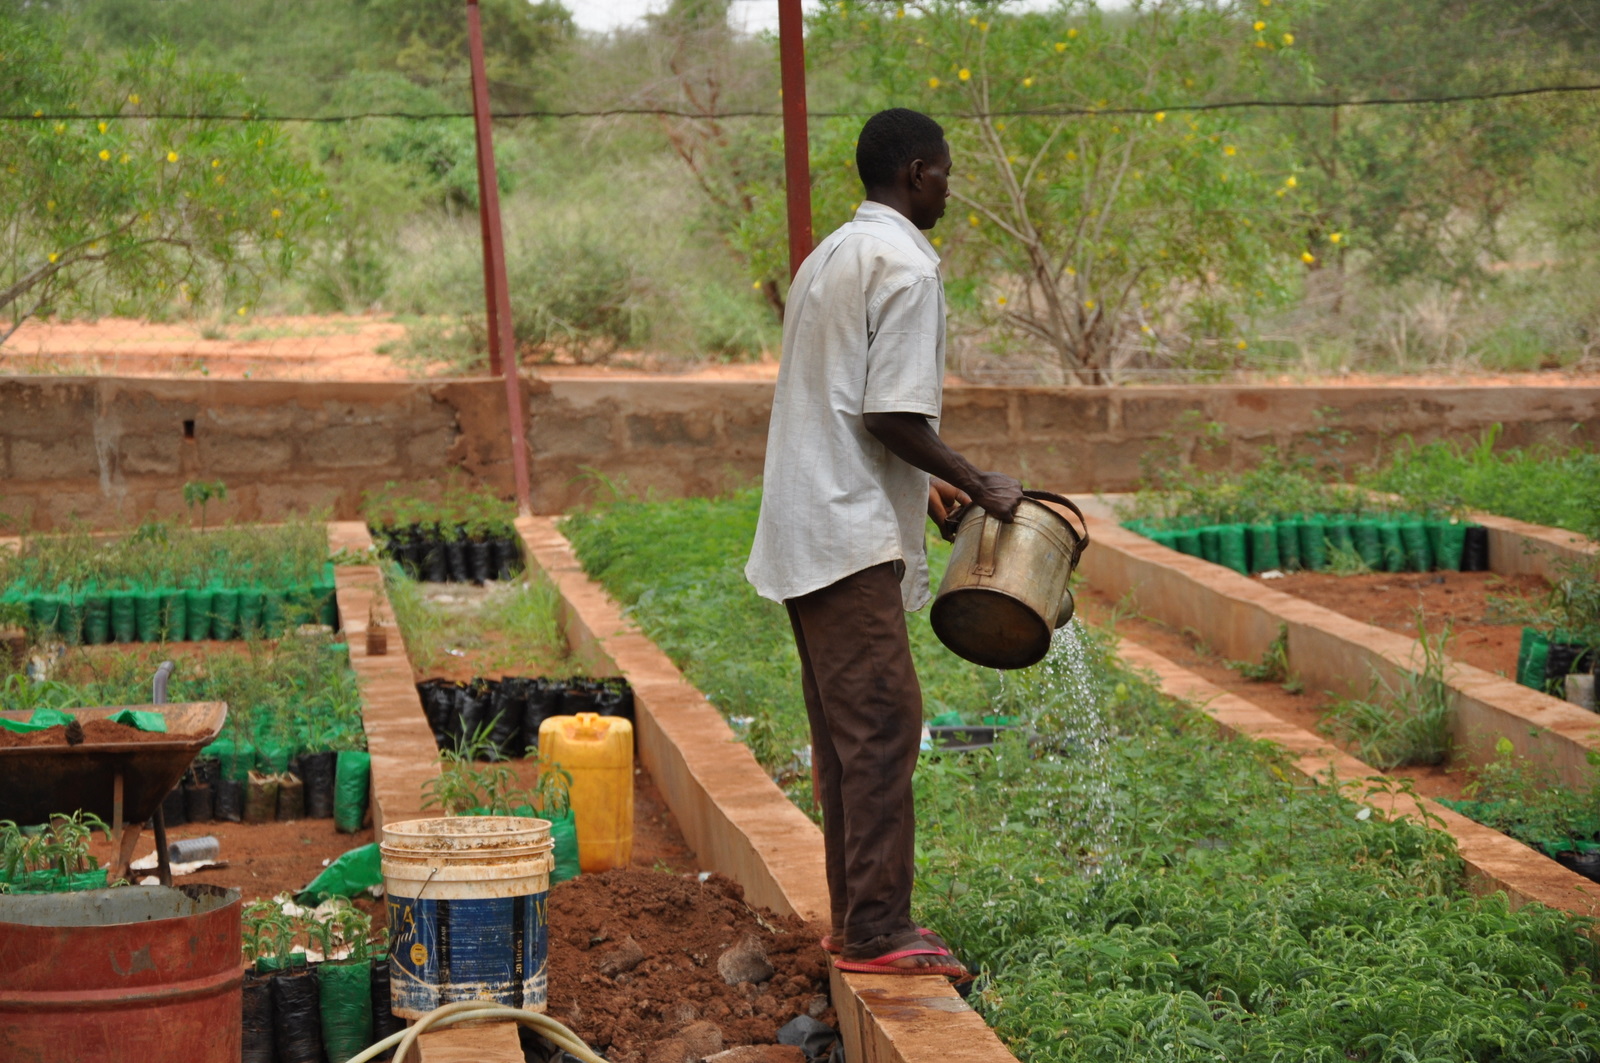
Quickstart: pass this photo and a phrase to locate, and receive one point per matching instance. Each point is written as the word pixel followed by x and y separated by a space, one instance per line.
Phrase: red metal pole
pixel 796 144
pixel 502 344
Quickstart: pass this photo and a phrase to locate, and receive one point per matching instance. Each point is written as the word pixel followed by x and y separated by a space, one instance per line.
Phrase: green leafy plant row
pixel 291 695
pixel 1131 885
pixel 161 555
pixel 457 507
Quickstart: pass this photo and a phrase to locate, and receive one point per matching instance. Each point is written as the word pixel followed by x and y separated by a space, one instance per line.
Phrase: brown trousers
pixel 865 708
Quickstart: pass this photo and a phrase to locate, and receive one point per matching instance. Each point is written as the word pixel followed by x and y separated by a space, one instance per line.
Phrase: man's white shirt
pixel 864 332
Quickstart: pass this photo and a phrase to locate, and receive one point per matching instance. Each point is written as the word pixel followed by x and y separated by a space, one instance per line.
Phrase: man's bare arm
pixel 910 437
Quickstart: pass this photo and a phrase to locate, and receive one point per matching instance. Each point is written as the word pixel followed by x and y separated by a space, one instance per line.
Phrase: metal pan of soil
pixel 37 781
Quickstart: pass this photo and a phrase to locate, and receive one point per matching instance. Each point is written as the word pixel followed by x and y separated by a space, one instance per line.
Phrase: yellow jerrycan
pixel 597 751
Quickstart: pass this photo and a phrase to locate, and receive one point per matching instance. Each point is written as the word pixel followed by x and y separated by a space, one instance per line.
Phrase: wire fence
pixel 669 112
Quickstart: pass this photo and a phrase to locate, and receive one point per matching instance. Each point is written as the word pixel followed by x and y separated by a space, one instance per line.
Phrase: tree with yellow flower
pixel 123 215
pixel 1125 238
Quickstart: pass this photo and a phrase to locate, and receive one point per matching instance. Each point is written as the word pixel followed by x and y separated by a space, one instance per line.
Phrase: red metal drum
pixel 138 973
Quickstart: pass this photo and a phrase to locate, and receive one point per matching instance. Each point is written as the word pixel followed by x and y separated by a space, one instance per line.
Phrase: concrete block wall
pixel 110 450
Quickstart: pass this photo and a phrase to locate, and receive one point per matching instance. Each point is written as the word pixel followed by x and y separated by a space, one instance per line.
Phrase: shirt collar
pixel 878 212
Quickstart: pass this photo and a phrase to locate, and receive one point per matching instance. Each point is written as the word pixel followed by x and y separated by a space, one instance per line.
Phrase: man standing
pixel 853 439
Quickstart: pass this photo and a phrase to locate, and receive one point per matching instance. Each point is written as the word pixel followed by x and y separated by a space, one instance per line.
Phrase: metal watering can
pixel 1005 590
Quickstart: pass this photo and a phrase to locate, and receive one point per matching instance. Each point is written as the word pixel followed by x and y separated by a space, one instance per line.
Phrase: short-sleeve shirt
pixel 863 332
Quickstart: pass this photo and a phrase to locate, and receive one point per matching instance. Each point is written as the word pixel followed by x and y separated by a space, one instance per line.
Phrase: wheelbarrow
pixel 121 782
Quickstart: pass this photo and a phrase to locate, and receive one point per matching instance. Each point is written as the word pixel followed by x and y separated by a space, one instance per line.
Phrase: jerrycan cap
pixel 590 724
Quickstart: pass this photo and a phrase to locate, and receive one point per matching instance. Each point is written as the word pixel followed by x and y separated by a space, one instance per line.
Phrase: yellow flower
pixel 1260 43
pixel 1072 156
pixel 278 234
pixel 50 204
pixel 1161 116
pixel 54 256
pixel 61 127
pixel 1144 328
pixel 1088 304
pixel 1288 39
pixel 123 158
pixel 983 27
pixel 755 285
pixel 1000 127
pixel 1241 345
pixel 215 163
pixel 276 213
pixel 899 12
pixel 1011 158
pixel 1061 46
pixel 172 156
pixel 1071 272
pixel 1229 149
pixel 1307 257
pixel 1027 83
pixel 221 179
pixel 938 241
pixel 972 220
pixel 102 127
pixel 973 21
pixel 1291 181
pixel 1001 301
pixel 1072 33
pixel 1259 26
pixel 133 98
pixel 104 154
pixel 1279 193
pixel 241 311
pixel 964 74
pixel 1334 238
pixel 933 83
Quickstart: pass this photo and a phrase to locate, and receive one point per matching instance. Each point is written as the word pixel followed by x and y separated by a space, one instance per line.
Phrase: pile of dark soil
pixel 642 962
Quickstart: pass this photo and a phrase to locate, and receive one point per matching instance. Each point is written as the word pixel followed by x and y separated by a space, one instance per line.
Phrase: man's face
pixel 930 188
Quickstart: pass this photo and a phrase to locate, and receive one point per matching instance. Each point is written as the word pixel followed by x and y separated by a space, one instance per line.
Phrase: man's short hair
pixel 891 140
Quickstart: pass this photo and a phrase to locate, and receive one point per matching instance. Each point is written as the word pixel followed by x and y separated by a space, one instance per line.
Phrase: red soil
pixel 95 732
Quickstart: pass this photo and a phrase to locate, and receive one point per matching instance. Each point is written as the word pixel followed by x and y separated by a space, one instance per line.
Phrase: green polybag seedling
pixel 143 719
pixel 564 832
pixel 344 992
pixel 351 778
pixel 947 719
pixel 360 869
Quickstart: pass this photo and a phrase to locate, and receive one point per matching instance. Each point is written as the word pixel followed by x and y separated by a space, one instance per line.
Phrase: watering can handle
pixel 991 529
pixel 1083 523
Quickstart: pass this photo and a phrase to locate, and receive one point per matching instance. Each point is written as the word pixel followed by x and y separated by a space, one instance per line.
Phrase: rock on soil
pixel 672 1004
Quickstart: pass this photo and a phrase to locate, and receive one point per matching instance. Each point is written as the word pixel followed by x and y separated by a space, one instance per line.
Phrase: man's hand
pixel 998 494
pixel 942 498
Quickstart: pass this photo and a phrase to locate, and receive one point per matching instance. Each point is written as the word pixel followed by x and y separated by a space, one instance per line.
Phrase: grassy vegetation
pixel 523 615
pixel 1132 885
pixel 1401 722
pixel 1550 485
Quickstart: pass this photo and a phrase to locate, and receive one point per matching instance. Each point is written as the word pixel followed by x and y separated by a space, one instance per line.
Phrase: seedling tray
pixel 958 738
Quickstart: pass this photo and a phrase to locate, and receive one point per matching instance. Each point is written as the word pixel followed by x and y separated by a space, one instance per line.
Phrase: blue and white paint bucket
pixel 468 918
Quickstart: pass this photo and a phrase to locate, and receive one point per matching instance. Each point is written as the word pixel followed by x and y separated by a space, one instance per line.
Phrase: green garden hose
pixel 478 1011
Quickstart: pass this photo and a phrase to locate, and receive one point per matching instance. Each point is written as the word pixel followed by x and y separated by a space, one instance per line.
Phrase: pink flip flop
pixel 885 964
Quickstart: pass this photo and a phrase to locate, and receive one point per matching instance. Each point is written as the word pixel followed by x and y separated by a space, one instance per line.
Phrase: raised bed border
pixel 1240 617
pixel 404 756
pixel 742 825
